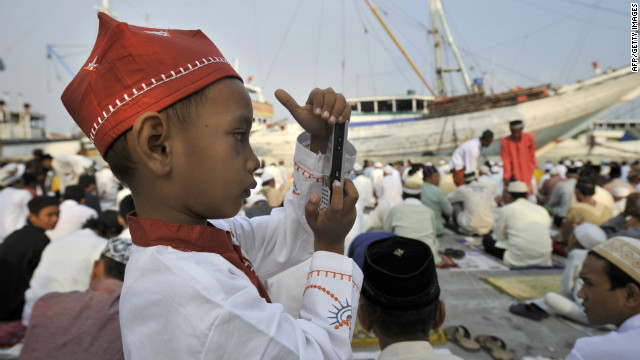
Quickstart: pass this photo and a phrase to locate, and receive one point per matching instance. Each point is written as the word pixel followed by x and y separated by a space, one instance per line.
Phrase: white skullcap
pixel 517 187
pixel 388 169
pixel 259 171
pixel 554 171
pixel 267 176
pixel 567 162
pixel 589 235
pixel 377 164
pixel 621 191
pixel 413 184
pixel 578 164
pixel 428 163
pixel 357 167
pixel 624 253
pixel 485 169
pixel 548 165
pixel 495 169
pixel 253 199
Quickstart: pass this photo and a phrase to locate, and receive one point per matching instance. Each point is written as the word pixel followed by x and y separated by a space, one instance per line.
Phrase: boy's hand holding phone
pixel 330 226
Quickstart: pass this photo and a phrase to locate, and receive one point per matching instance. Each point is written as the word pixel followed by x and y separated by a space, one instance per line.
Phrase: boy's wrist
pixel 334 248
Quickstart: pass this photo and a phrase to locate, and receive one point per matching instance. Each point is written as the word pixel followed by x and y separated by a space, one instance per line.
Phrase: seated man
pixel 20 255
pixel 73 213
pixel 434 198
pixel 400 299
pixel 521 233
pixel 77 325
pixel 628 222
pixel 611 295
pixel 585 237
pixel 412 218
pixel 584 210
pixel 473 206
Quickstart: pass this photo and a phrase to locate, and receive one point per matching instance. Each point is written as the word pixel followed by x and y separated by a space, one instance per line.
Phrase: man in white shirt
pixel 13 204
pixel 485 180
pixel 364 186
pixel 376 174
pixel 107 187
pixel 389 188
pixel 465 157
pixel 611 295
pixel 472 206
pixel 400 299
pixel 73 214
pixel 69 167
pixel 521 234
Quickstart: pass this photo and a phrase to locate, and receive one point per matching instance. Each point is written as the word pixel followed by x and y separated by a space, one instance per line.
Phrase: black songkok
pixel 40 202
pixel 400 273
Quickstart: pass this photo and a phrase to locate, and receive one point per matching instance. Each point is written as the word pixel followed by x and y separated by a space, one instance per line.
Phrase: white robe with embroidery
pixel 196 305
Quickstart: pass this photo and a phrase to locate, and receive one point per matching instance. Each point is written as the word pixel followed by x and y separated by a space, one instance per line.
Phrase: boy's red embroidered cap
pixel 132 70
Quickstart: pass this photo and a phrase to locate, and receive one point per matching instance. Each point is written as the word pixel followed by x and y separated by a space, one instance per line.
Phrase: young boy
pixel 172 119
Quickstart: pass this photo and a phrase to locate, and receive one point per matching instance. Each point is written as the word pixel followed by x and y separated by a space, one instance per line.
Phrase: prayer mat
pixel 557 261
pixel 526 287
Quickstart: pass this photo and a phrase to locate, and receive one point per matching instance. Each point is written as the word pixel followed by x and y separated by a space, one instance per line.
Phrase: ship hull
pixel 414 134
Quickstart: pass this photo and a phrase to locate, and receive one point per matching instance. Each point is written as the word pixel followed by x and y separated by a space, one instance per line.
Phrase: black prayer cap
pixel 400 274
pixel 40 202
pixel 516 124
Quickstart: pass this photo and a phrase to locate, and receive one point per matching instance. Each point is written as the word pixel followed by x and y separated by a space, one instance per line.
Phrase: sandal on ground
pixel 494 346
pixel 460 336
pixel 454 253
pixel 530 311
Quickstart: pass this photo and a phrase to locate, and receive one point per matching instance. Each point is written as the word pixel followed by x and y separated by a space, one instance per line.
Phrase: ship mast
pixel 438 23
pixel 375 12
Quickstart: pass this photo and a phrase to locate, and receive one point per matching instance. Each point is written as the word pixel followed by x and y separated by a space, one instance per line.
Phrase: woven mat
pixel 526 287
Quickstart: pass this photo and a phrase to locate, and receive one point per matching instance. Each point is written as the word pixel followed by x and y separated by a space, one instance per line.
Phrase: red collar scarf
pixel 147 232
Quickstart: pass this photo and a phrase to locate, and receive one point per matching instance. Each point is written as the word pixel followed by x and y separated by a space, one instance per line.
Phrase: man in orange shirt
pixel 518 153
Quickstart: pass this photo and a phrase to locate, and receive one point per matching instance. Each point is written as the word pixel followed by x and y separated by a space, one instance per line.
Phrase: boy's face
pixel 47 218
pixel 214 162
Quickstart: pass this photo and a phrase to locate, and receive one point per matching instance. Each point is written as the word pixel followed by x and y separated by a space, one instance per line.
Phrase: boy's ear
pixel 150 141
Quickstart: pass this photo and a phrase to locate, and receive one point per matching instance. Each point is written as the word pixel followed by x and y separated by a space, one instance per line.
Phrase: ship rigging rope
pixel 366 46
pixel 572 59
pixel 536 5
pixel 318 44
pixel 284 38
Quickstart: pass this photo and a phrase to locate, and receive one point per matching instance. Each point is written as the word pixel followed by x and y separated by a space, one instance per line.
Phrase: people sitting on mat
pixel 563 196
pixel 585 237
pixel 434 198
pixel 521 235
pixel 400 299
pixel 72 325
pixel 412 218
pixel 584 210
pixel 472 206
pixel 628 222
pixel 611 295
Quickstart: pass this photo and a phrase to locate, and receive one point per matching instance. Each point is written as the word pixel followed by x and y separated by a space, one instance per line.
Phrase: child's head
pixel 170 116
pixel 44 212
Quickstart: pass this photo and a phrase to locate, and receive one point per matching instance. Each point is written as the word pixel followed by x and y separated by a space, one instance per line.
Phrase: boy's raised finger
pixel 287 101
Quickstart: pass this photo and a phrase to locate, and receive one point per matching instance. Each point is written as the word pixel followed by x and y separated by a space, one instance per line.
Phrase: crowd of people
pixel 209 264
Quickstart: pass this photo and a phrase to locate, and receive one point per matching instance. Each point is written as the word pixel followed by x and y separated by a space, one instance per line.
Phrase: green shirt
pixel 434 199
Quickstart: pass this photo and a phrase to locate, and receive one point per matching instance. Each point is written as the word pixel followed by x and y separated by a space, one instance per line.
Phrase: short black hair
pixel 112 268
pixel 616 170
pixel 126 206
pixel 85 180
pixel 487 134
pixel 106 224
pixel 617 277
pixel 74 192
pixel 399 324
pixel 586 186
pixel 518 195
pixel 118 154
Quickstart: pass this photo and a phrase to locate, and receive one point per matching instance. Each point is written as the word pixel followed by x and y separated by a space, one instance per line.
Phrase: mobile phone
pixel 338 155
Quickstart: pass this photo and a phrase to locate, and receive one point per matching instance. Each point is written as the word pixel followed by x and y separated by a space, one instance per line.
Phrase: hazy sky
pixel 299 45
